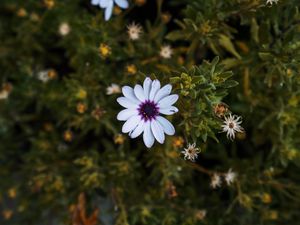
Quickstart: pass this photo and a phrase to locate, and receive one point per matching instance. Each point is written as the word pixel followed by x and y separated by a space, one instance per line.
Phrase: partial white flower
pixel 108 5
pixel 191 152
pixel 134 31
pixel 230 177
pixel 43 76
pixel 272 1
pixel 4 94
pixel 144 104
pixel 64 29
pixel 166 51
pixel 113 89
pixel 232 125
pixel 215 181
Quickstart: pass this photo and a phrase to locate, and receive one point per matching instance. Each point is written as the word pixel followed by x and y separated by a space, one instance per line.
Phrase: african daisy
pixel 108 5
pixel 144 104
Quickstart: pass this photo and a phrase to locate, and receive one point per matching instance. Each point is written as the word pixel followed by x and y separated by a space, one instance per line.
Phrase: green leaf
pixel 226 43
pixel 175 35
pixel 229 84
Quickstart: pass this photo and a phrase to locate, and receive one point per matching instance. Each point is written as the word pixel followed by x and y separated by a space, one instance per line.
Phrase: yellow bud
pixel 140 2
pixel 81 94
pixel 52 74
pixel 7 214
pixel 266 198
pixel 178 142
pixel 117 10
pixel 68 136
pixel 49 3
pixel 21 12
pixel 104 50
pixel 119 139
pixel 12 192
pixel 81 107
pixel 131 69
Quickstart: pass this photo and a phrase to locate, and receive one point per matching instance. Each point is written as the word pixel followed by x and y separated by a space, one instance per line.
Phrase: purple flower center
pixel 148 110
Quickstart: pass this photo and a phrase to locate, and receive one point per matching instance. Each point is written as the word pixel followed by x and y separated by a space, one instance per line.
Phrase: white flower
pixel 43 76
pixel 113 89
pixel 272 1
pixel 4 94
pixel 134 31
pixel 215 181
pixel 143 108
pixel 191 152
pixel 108 5
pixel 230 177
pixel 232 125
pixel 64 29
pixel 166 51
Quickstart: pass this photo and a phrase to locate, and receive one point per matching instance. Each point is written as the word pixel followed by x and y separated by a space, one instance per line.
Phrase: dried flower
pixel 166 51
pixel 232 125
pixel 272 1
pixel 113 89
pixel 134 31
pixel 200 214
pixel 230 177
pixel 97 113
pixel 220 109
pixel 215 181
pixel 64 29
pixel 191 152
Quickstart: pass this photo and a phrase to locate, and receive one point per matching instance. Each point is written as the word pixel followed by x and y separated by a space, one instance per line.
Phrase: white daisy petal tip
pixel 144 106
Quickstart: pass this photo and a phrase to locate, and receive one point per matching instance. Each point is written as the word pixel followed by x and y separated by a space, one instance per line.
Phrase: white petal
pixel 167 126
pixel 108 10
pixel 128 93
pixel 147 87
pixel 122 3
pixel 154 89
pixel 157 131
pixel 168 101
pixel 131 124
pixel 96 2
pixel 138 130
pixel 127 103
pixel 148 136
pixel 126 114
pixel 139 92
pixel 163 92
pixel 168 111
pixel 104 3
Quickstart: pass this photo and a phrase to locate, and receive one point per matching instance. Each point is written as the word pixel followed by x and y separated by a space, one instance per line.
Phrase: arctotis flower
pixel 108 5
pixel 144 106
